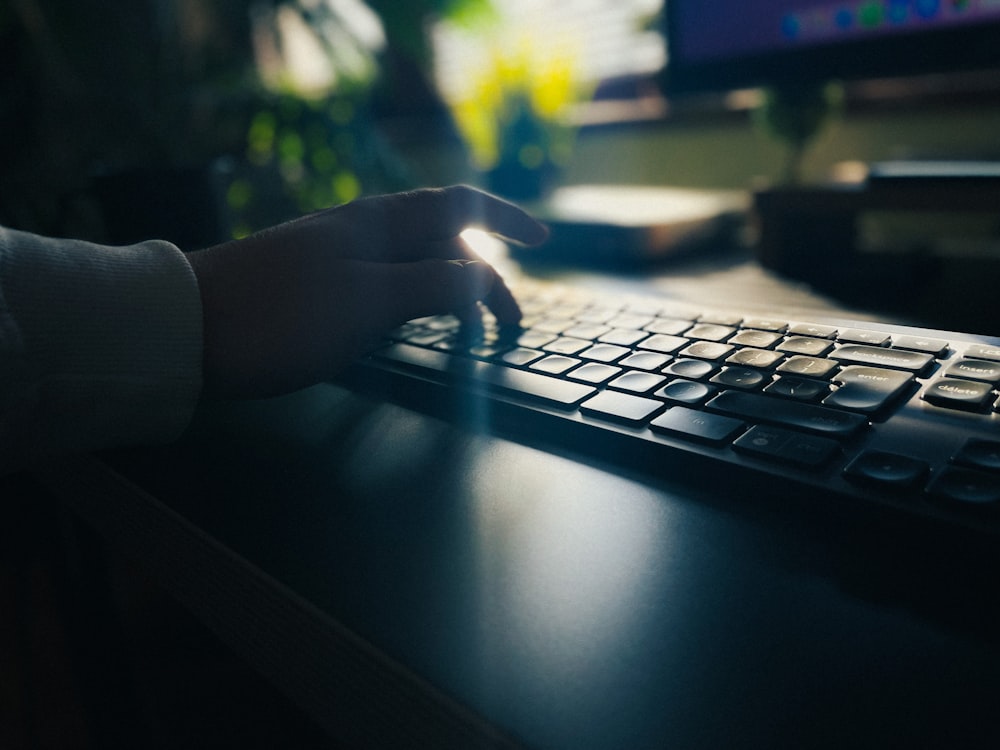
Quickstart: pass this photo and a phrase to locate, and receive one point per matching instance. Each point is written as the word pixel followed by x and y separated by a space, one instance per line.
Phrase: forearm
pixel 99 346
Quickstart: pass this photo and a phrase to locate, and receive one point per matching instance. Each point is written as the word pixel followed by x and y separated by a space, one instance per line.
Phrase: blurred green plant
pixel 314 128
pixel 316 62
pixel 795 116
pixel 175 84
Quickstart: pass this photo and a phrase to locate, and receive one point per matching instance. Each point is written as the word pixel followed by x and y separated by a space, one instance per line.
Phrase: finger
pixel 459 207
pixel 398 225
pixel 435 287
pixel 471 322
pixel 502 303
pixel 499 299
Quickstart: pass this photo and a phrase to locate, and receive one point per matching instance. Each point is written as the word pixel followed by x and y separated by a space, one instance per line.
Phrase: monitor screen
pixel 729 44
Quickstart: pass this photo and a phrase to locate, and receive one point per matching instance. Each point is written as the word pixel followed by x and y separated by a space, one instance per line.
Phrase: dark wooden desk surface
pixel 409 582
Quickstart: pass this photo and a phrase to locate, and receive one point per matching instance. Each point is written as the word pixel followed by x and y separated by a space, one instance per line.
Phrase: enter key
pixel 867 389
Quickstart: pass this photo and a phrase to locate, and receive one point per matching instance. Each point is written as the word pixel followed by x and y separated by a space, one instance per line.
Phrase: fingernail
pixel 480 277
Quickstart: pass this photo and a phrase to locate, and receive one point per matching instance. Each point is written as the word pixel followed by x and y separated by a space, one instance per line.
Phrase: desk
pixel 412 583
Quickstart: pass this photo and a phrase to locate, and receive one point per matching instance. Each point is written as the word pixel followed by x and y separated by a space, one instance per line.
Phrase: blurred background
pixel 200 119
pixel 192 119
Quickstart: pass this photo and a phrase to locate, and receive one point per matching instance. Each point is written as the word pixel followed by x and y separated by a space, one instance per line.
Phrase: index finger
pixel 450 210
pixel 437 214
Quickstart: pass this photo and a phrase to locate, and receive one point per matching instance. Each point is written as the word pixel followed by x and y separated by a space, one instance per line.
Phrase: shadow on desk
pixel 94 655
pixel 498 595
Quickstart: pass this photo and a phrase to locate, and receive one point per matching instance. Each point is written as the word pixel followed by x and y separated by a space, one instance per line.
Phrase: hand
pixel 292 305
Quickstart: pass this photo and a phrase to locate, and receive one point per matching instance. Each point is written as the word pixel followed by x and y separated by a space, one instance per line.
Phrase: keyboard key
pixel 966 487
pixel 698 425
pixel 808 345
pixel 691 369
pixel 897 359
pixel 554 391
pixel 746 378
pixel 721 319
pixel 763 358
pixel 980 454
pixel 591 332
pixel 755 407
pixel 755 339
pixel 555 364
pixel 679 311
pixel 565 310
pixel 426 338
pixel 521 356
pixel 451 344
pixel 860 336
pixel 806 451
pixel 709 350
pixel 566 345
pixel 630 320
pixel 637 381
pixel 765 324
pixel 937 347
pixel 403 331
pixel 623 336
pixel 975 369
pixel 597 314
pixel 488 351
pixel 605 352
pixel 983 351
pixel 813 367
pixel 595 373
pixel 710 332
pixel 621 407
pixel 890 471
pixel 534 339
pixel 663 343
pixel 812 329
pixel 553 325
pixel 645 360
pixel 646 307
pixel 867 389
pixel 687 392
pixel 802 389
pixel 958 394
pixel 669 326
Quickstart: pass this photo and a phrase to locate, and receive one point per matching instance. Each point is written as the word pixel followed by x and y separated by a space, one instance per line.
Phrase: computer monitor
pixel 737 44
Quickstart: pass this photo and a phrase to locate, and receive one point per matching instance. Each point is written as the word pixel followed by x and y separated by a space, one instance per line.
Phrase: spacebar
pixel 561 393
pixel 802 416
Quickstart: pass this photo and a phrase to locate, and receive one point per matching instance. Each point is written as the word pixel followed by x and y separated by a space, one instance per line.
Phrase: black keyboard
pixel 903 417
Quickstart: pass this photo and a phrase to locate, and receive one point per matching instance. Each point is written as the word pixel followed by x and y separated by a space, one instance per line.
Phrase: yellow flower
pixel 530 72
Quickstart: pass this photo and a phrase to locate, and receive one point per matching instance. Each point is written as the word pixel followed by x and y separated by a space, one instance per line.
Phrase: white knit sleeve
pixel 99 346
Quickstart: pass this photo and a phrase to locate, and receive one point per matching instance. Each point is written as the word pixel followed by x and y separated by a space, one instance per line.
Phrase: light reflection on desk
pixel 565 573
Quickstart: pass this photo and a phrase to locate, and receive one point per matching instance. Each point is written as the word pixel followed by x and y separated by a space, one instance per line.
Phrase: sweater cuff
pixel 103 344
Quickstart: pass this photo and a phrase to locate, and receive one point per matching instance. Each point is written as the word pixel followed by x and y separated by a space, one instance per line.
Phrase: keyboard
pixel 906 418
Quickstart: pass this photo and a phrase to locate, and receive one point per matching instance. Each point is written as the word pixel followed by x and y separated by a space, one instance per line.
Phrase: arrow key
pixel 980 454
pixel 891 471
pixel 967 488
